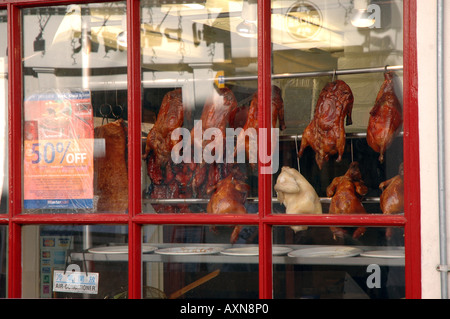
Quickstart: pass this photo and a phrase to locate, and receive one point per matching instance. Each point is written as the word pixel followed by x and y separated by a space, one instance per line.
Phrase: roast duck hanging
pixel 346 192
pixel 218 111
pixel 326 132
pixel 186 179
pixel 385 117
pixel 159 143
pixel 250 128
pixel 167 180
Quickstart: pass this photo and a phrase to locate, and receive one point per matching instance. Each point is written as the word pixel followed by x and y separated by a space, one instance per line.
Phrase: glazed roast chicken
pixel 111 171
pixel 296 194
pixel 326 132
pixel 229 197
pixel 385 117
pixel 346 192
pixel 252 122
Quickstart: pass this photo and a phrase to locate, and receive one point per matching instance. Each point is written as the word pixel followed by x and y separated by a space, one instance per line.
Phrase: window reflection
pixel 320 267
pixel 350 68
pixel 192 261
pixel 50 250
pixel 3 114
pixel 3 260
pixel 75 110
pixel 199 78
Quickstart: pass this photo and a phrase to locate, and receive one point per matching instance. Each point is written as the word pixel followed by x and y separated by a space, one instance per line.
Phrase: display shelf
pixel 219 258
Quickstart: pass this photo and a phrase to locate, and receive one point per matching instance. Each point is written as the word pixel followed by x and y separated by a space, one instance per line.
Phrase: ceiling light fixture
pixel 248 27
pixel 194 6
pixel 362 18
pixel 122 39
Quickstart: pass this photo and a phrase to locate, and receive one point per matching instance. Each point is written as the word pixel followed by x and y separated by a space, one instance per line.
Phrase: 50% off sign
pixel 58 174
pixel 66 152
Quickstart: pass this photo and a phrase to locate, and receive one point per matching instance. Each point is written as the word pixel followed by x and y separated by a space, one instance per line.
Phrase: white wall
pixel 427 68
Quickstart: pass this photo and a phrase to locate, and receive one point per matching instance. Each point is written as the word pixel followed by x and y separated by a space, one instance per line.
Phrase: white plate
pixel 397 253
pixel 254 251
pixel 327 252
pixel 194 250
pixel 120 249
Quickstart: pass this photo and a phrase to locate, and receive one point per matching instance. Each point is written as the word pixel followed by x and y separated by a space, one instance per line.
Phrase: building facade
pixel 223 149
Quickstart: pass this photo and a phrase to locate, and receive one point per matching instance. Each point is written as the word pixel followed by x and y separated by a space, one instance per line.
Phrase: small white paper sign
pixel 75 282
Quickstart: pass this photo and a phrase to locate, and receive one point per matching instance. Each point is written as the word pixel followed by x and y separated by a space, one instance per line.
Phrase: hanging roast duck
pixel 326 133
pixel 385 118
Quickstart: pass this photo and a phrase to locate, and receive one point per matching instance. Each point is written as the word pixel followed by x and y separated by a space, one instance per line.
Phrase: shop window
pixel 191 112
pixel 52 253
pixel 315 266
pixel 217 156
pixel 75 109
pixel 198 261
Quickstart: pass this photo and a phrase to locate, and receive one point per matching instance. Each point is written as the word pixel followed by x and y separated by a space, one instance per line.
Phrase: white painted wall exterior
pixel 427 70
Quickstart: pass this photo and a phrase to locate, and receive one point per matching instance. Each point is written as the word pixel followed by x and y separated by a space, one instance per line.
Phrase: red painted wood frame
pixel 265 220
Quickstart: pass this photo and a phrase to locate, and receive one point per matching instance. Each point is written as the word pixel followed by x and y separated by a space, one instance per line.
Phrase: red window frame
pixel 265 220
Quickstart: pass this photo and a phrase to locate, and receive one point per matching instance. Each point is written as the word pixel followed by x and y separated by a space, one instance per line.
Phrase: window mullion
pixel 412 161
pixel 264 147
pixel 15 151
pixel 134 146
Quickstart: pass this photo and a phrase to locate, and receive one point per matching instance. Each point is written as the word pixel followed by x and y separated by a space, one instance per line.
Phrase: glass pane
pixel 188 262
pixel 3 260
pixel 199 67
pixel 342 149
pixel 310 264
pixel 3 114
pixel 75 112
pixel 95 255
pixel 342 92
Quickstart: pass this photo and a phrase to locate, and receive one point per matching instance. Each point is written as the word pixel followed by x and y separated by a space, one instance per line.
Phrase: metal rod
pixel 348 136
pixel 441 146
pixel 285 75
pixel 368 200
pixel 320 73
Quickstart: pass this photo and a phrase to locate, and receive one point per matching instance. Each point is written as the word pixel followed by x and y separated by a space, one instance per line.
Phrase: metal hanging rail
pixel 324 200
pixel 335 72
pixel 348 136
pixel 320 73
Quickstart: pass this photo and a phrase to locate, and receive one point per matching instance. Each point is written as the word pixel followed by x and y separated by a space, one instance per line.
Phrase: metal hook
pixel 334 75
pixel 296 151
pixel 386 69
pixel 105 113
pixel 119 114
